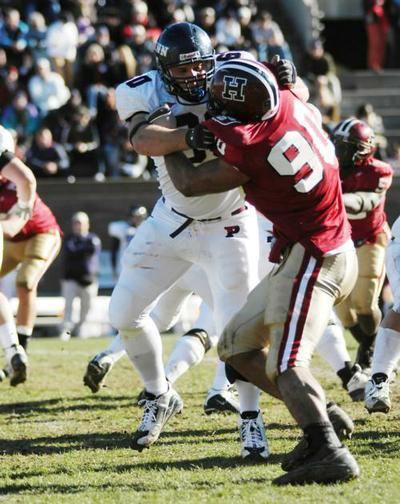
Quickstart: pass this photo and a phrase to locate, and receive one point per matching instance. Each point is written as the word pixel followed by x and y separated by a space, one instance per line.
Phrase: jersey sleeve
pixel 6 141
pixel 136 95
pixel 376 177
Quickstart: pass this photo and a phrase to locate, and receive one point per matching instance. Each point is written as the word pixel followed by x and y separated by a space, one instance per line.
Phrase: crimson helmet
pixel 180 44
pixel 244 90
pixel 354 140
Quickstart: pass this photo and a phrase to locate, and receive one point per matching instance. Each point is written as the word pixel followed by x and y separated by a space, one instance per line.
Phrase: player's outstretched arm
pixel 210 177
pixel 17 172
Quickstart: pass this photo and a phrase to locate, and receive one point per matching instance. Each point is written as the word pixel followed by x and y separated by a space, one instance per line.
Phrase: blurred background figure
pixel 81 251
pixel 46 157
pixel 377 27
pixel 47 88
pixel 367 113
pixel 122 232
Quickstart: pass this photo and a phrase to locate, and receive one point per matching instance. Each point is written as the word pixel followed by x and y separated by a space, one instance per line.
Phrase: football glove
pixel 21 209
pixel 287 73
pixel 200 137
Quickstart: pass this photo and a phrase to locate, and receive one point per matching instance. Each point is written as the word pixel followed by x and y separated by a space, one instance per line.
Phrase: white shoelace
pixel 149 415
pixel 251 434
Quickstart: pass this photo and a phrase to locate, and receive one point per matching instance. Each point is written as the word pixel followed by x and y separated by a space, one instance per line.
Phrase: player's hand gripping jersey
pixel 294 173
pixel 147 92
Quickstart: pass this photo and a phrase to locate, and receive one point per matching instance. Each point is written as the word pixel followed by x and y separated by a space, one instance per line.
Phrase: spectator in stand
pixel 206 19
pixel 81 251
pixel 82 144
pixel 125 64
pixel 47 88
pixel 366 113
pixel 59 120
pixel 110 128
pixel 395 25
pixel 377 26
pixel 9 85
pixel 94 76
pixel 269 38
pixel 62 41
pixel 21 116
pixel 13 36
pixel 245 15
pixel 318 63
pixel 37 35
pixel 141 46
pixel 228 31
pixel 101 36
pixel 46 157
pixel 132 164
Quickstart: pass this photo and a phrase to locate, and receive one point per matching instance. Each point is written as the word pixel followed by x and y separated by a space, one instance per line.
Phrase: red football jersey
pixel 368 175
pixel 42 219
pixel 293 170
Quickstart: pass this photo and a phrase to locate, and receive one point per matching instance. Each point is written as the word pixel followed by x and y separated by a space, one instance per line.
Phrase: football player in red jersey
pixel 12 220
pixel 365 181
pixel 33 248
pixel 272 144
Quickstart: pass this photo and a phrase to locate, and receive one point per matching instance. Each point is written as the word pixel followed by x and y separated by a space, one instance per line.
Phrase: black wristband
pixel 135 129
pixel 5 158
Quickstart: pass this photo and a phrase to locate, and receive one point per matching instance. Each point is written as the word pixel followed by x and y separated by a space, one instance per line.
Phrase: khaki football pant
pixel 34 256
pixel 363 299
pixel 290 309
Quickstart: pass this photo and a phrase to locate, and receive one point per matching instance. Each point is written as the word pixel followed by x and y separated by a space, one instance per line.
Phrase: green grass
pixel 60 443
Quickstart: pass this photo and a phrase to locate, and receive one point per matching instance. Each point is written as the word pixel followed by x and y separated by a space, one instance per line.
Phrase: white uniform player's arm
pixel 135 99
pixel 155 139
pixel 213 176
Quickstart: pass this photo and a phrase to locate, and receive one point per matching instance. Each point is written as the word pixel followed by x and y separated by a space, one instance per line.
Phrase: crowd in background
pixel 60 61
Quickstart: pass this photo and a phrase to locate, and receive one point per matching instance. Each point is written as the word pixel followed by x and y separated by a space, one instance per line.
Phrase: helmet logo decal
pixel 190 56
pixel 161 49
pixel 234 88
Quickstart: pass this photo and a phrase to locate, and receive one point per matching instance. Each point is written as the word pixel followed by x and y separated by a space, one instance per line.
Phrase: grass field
pixel 60 443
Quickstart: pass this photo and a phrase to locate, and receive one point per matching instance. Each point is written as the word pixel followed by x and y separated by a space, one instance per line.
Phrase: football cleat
pixel 356 384
pixel 222 401
pixel 96 372
pixel 342 424
pixel 329 464
pixel 18 367
pixel 341 421
pixel 253 442
pixel 157 412
pixel 377 396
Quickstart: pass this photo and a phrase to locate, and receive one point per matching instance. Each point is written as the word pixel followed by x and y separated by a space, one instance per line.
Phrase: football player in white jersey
pixel 218 232
pixel 387 344
pixel 14 170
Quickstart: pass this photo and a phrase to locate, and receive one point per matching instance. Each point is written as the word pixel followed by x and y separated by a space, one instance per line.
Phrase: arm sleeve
pixel 134 96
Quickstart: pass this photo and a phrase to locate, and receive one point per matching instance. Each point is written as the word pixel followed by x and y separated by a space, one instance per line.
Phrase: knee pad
pixel 202 336
pixel 233 375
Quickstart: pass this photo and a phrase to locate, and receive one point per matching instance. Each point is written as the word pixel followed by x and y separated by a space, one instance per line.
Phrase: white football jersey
pixel 6 141
pixel 147 92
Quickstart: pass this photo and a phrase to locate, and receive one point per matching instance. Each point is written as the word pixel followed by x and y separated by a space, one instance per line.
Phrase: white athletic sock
pixel 332 347
pixel 249 396
pixel 187 352
pixel 221 382
pixel 25 330
pixel 386 352
pixel 8 338
pixel 114 352
pixel 144 348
